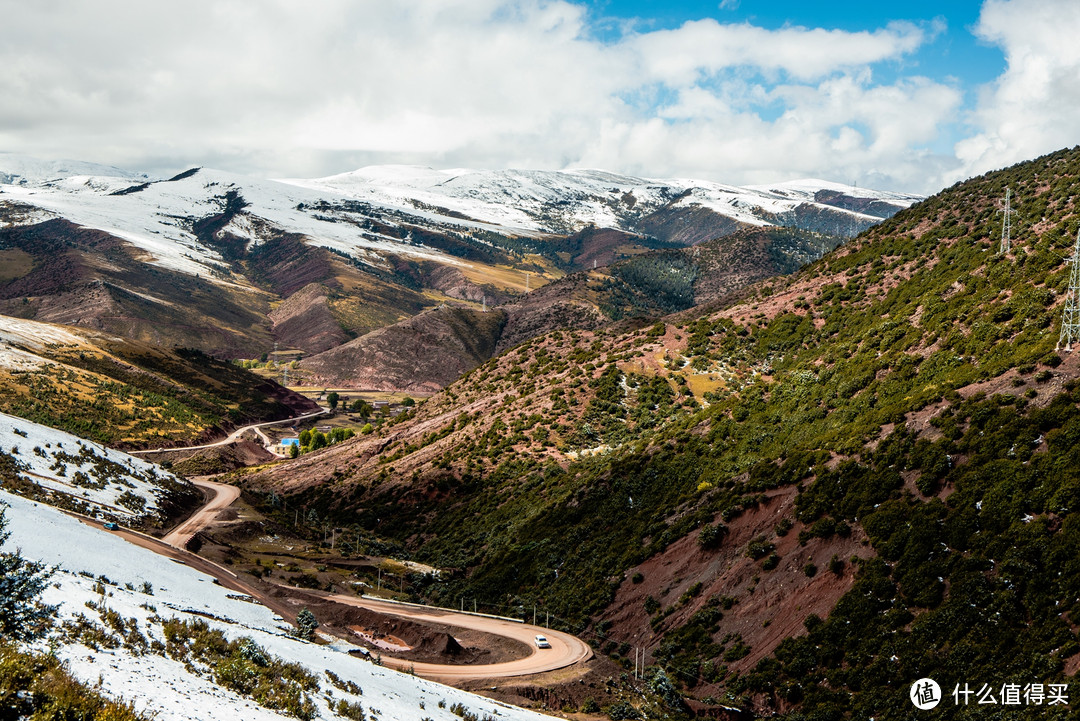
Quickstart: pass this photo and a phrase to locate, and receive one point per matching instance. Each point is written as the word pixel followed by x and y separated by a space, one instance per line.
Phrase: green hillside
pixel 128 394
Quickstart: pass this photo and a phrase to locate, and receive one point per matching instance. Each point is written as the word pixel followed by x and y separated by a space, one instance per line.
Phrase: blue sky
pixel 954 52
pixel 902 96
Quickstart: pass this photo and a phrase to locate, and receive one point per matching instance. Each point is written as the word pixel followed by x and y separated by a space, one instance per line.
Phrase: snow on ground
pixel 35 335
pixel 163 686
pixel 20 338
pixel 806 188
pixel 108 481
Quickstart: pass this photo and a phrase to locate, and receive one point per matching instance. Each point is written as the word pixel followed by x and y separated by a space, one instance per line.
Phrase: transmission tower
pixel 1006 223
pixel 1070 321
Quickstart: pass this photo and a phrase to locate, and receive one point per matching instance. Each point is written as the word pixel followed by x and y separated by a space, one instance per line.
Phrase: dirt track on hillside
pixel 223 497
pixel 566 650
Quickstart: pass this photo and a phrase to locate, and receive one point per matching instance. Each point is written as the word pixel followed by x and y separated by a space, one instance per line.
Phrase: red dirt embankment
pixel 769 606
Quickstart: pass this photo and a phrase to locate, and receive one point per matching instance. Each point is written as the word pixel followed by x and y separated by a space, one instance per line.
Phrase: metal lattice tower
pixel 1070 320
pixel 1006 223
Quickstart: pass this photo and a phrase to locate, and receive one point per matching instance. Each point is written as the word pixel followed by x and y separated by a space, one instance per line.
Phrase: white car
pixel 542 642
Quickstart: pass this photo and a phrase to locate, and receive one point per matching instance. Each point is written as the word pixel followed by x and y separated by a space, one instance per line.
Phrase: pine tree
pixel 22 615
pixel 306 624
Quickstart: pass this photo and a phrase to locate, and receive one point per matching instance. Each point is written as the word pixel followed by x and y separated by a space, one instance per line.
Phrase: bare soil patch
pixel 427 642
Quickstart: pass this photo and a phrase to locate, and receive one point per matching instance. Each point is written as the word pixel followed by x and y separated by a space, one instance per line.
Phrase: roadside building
pixel 283 446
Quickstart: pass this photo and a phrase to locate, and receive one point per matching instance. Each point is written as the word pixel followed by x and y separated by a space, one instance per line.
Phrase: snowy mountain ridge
pixel 373 212
pixel 566 201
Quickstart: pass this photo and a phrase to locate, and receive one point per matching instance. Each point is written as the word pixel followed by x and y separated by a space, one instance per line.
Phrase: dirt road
pixel 222 498
pixel 565 650
pixel 235 435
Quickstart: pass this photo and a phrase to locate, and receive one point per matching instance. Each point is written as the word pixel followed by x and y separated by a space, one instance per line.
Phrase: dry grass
pixel 14 263
pixel 505 277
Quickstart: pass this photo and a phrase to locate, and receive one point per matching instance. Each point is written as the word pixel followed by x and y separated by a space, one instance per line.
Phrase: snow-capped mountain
pixel 382 210
pixel 216 261
pixel 562 202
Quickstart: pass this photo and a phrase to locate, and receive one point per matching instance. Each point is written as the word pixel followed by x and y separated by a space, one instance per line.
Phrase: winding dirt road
pixel 222 497
pixel 565 650
pixel 235 435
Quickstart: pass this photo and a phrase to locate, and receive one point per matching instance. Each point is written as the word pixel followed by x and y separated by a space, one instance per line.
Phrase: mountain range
pixel 236 266
pixel 798 500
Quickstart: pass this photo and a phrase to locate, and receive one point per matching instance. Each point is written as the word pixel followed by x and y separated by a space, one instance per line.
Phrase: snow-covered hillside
pixel 374 211
pixel 105 582
pixel 82 475
pixel 566 201
pixel 159 216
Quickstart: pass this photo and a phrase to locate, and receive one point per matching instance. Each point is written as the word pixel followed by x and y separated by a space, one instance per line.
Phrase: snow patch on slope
pixel 103 482
pixel 165 687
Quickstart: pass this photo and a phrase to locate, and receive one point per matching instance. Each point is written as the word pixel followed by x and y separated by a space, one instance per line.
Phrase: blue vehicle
pixel 110 526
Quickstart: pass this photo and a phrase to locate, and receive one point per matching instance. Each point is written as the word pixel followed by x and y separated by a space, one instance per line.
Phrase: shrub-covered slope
pixel 904 391
pixel 116 391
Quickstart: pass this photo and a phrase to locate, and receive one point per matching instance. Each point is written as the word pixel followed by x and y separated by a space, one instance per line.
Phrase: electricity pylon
pixel 1006 223
pixel 1070 320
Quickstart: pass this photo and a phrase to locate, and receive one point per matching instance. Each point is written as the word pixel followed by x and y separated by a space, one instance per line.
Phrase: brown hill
pixel 305 320
pixel 421 354
pixel 89 278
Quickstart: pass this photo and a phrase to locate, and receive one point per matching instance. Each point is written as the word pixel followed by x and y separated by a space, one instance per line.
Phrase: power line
pixel 1006 223
pixel 1070 320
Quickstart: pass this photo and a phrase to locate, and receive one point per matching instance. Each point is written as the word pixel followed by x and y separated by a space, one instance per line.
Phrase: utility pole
pixel 527 281
pixel 1070 320
pixel 485 304
pixel 1006 223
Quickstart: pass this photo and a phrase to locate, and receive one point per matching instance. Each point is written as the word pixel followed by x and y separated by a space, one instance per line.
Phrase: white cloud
pixel 681 56
pixel 281 87
pixel 1033 107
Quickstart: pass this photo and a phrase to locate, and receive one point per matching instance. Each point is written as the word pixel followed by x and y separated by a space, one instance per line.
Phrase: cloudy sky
pixel 739 91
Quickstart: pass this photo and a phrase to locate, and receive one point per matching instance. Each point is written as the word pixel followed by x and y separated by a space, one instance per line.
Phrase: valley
pixel 800 443
pixel 767 472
